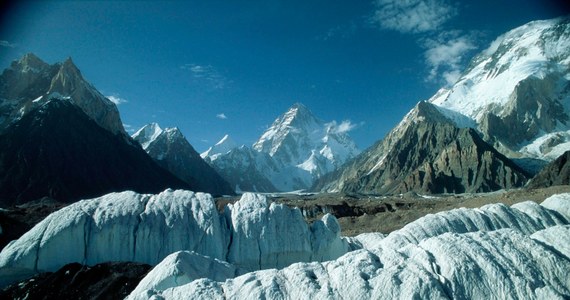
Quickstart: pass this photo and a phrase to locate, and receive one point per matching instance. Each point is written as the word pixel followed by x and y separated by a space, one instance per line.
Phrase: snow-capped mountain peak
pixel 225 145
pixel 31 63
pixel 146 135
pixel 297 149
pixel 534 49
pixel 29 82
pixel 296 125
pixel 517 91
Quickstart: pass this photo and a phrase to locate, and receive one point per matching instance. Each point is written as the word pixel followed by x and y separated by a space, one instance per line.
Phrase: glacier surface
pixel 494 252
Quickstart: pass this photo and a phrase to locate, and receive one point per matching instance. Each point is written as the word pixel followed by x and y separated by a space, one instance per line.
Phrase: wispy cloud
pixel 412 16
pixel 446 55
pixel 207 73
pixel 129 128
pixel 221 116
pixel 344 127
pixel 116 99
pixel 7 44
pixel 340 31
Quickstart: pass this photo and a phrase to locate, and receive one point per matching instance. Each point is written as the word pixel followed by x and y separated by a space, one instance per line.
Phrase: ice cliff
pixel 251 234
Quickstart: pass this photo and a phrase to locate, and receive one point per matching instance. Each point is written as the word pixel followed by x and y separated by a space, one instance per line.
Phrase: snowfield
pixel 257 249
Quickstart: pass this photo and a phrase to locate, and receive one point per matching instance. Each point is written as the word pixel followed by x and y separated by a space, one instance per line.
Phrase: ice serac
pixel 29 82
pixel 56 150
pixel 517 92
pixel 286 238
pixel 251 234
pixel 121 227
pixel 427 153
pixel 297 149
pixel 494 252
pixel 172 151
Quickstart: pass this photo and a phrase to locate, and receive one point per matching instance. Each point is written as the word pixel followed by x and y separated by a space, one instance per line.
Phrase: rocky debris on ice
pixel 251 234
pixel 494 252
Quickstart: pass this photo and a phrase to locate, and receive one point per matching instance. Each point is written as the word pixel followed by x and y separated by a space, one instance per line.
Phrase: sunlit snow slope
pixel 518 91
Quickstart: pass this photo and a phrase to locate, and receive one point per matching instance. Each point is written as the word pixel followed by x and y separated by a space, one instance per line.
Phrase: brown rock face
pixel 535 106
pixel 426 153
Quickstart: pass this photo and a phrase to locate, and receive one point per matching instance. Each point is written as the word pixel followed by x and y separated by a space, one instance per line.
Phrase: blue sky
pixel 217 67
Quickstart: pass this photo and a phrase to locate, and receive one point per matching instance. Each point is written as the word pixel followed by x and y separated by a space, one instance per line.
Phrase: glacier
pixel 258 249
pixel 250 234
pixel 493 252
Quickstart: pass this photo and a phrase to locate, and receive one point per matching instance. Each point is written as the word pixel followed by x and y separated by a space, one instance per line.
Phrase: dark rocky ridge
pixel 113 280
pixel 57 151
pixel 17 220
pixel 555 173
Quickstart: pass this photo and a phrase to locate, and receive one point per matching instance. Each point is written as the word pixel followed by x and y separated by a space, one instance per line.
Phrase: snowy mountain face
pixel 493 252
pixel 297 137
pixel 171 150
pixel 225 145
pixel 30 82
pixel 297 149
pixel 244 168
pixel 517 92
pixel 251 234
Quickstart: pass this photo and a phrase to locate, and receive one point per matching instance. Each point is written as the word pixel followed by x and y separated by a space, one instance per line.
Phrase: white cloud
pixel 117 100
pixel 7 44
pixel 207 73
pixel 221 116
pixel 340 31
pixel 412 16
pixel 129 128
pixel 344 127
pixel 446 56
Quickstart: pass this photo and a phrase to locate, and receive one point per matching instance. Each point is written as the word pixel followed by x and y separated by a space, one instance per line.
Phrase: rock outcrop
pixel 555 173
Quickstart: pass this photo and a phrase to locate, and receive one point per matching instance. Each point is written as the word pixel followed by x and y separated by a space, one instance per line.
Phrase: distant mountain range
pixel 507 116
